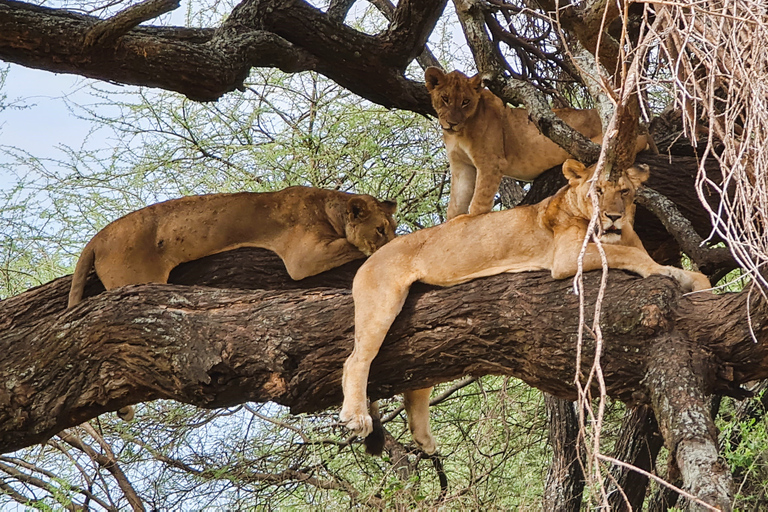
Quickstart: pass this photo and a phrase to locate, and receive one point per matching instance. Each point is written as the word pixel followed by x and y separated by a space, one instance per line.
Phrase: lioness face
pixel 454 96
pixel 615 198
pixel 370 223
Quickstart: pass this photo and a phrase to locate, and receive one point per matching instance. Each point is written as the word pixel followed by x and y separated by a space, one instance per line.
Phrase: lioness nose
pixel 613 216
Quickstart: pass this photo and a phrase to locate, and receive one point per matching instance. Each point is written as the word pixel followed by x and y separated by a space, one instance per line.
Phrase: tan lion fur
pixel 544 236
pixel 311 229
pixel 485 139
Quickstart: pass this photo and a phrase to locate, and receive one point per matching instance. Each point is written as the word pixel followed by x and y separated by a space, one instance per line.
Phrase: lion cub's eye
pixel 381 231
pixel 465 103
pixel 445 99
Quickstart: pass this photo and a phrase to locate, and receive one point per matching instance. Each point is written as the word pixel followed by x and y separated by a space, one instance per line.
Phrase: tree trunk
pixel 565 478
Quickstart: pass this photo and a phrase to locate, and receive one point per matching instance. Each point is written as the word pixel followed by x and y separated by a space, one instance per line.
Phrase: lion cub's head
pixel 454 96
pixel 615 198
pixel 370 223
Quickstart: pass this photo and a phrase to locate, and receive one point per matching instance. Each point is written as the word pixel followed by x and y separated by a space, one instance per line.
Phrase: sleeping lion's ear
pixel 357 208
pixel 573 170
pixel 389 206
pixel 638 174
pixel 433 76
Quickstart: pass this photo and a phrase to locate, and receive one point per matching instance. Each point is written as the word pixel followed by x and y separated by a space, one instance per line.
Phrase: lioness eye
pixel 599 191
pixel 624 191
pixel 445 99
pixel 381 231
pixel 465 103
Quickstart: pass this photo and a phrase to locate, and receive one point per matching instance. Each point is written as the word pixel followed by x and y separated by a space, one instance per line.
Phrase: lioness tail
pixel 374 442
pixel 84 264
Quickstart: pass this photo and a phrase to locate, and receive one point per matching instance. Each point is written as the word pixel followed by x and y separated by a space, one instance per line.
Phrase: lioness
pixel 486 140
pixel 544 236
pixel 311 229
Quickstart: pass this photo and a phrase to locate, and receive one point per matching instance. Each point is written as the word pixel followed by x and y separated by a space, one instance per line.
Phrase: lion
pixel 312 230
pixel 545 236
pixel 486 140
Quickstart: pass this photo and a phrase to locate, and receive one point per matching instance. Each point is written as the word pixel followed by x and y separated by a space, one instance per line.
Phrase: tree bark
pixel 206 63
pixel 565 478
pixel 287 341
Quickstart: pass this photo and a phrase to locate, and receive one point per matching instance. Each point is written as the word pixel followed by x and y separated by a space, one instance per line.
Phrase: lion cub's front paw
pixel 359 423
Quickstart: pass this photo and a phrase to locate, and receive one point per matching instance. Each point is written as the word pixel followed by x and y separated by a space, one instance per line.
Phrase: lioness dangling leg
pixel 377 303
pixel 417 411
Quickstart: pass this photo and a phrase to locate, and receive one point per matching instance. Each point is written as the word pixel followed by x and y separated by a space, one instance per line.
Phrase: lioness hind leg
pixel 417 410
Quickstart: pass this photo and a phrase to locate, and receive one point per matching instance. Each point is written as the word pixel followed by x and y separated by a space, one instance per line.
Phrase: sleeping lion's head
pixel 615 198
pixel 370 223
pixel 454 96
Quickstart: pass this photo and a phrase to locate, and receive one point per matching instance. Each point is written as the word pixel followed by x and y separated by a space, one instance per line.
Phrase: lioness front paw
pixel 359 423
pixel 690 281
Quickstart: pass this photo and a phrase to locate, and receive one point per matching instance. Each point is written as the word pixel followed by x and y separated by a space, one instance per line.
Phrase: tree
pixel 527 59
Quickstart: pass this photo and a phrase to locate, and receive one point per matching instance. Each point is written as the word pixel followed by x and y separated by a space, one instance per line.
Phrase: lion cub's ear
pixel 575 171
pixel 358 209
pixel 638 174
pixel 433 76
pixel 477 82
pixel 389 206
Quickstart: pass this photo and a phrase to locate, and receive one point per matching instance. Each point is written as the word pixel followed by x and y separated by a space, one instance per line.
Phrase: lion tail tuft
pixel 374 442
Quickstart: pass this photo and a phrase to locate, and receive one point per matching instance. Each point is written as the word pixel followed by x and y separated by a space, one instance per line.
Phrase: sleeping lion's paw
pixel 359 423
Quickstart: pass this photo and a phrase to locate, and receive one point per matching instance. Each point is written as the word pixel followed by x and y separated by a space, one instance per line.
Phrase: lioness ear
pixel 638 174
pixel 357 208
pixel 573 170
pixel 477 82
pixel 432 77
pixel 389 206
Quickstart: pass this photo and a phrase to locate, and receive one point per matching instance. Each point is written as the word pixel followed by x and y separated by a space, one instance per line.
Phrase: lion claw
pixel 360 424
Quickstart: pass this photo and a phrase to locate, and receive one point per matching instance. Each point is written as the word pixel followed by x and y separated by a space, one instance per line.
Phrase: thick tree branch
pixel 679 377
pixel 217 347
pixel 206 63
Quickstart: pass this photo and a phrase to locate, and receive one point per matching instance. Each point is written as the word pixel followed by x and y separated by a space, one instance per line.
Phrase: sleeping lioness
pixel 311 229
pixel 486 140
pixel 544 236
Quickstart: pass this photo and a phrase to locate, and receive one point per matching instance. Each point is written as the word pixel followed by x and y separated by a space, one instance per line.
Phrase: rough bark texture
pixel 565 478
pixel 214 347
pixel 678 379
pixel 206 63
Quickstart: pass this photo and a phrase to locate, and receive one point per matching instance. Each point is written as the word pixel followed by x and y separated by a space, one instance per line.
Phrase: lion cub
pixel 544 236
pixel 486 140
pixel 311 229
